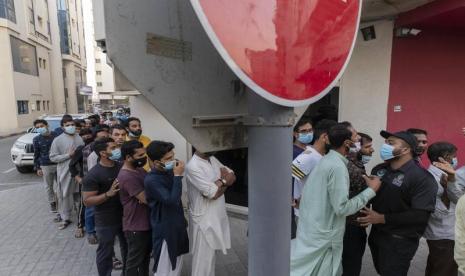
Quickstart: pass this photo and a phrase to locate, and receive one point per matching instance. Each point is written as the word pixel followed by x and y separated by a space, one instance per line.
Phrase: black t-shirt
pixel 100 179
pixel 403 192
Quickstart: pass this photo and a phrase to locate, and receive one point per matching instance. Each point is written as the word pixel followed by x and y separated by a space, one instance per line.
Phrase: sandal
pixel 117 264
pixel 65 224
pixel 92 239
pixel 79 233
pixel 57 219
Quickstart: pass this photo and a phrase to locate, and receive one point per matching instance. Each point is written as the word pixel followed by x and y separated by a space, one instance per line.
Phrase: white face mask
pixel 366 159
pixel 357 147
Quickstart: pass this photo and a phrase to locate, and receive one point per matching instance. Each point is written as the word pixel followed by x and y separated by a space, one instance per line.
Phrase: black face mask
pixel 139 163
pixel 327 147
pixel 136 133
pixel 88 141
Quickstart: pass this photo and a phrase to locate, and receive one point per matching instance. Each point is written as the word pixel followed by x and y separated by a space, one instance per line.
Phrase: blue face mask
pixel 305 138
pixel 386 152
pixel 366 159
pixel 42 130
pixel 454 162
pixel 70 130
pixel 170 165
pixel 115 155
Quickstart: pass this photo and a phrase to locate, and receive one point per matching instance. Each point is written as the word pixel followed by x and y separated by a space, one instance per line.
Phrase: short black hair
pixel 40 121
pixel 130 119
pixel 118 126
pixel 85 131
pixel 129 147
pixel 417 131
pixel 365 138
pixel 157 149
pixel 78 123
pixel 100 128
pixel 94 119
pixel 346 123
pixel 338 134
pixel 101 145
pixel 65 119
pixel 440 149
pixel 323 127
pixel 301 122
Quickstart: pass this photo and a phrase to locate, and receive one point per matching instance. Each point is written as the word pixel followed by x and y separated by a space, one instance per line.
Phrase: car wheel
pixel 24 169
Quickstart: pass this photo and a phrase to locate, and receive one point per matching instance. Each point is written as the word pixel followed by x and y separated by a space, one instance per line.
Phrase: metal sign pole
pixel 269 170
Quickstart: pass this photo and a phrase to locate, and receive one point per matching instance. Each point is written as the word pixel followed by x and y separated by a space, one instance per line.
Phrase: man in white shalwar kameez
pixel 207 180
pixel 317 250
pixel 61 151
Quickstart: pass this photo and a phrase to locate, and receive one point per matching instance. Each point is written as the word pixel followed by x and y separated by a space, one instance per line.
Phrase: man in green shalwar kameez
pixel 317 250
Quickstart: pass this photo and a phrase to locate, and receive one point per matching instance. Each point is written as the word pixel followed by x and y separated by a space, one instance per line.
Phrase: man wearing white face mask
pixel 61 152
pixel 355 236
pixel 402 207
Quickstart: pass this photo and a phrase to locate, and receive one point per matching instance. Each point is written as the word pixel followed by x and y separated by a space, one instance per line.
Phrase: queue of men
pixel 124 186
pixel 339 207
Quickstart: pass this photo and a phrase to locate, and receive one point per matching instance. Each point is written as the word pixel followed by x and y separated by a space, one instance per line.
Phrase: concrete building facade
pixel 32 63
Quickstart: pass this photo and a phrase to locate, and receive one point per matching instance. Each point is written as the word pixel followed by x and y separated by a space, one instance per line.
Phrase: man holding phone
pixel 100 189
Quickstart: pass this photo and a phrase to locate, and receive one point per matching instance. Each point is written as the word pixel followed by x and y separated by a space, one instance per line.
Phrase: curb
pixel 11 134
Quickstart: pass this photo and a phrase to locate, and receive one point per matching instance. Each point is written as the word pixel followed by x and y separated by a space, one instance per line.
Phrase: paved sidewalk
pixel 31 244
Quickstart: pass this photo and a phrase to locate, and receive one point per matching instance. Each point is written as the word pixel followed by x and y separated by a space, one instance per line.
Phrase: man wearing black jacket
pixel 77 172
pixel 401 208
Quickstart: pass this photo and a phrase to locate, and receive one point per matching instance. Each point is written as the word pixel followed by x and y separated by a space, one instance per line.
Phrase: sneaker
pixel 92 238
pixel 53 207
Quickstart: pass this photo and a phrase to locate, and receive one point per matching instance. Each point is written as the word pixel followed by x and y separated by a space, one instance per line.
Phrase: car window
pixel 53 123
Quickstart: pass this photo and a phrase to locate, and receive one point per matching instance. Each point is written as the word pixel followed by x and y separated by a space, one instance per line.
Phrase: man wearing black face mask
pixel 136 225
pixel 401 208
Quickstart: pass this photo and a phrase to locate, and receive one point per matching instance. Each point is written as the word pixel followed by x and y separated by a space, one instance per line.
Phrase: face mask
pixel 454 162
pixel 170 165
pixel 70 130
pixel 366 159
pixel 357 147
pixel 327 147
pixel 305 138
pixel 136 133
pixel 139 163
pixel 386 152
pixel 42 130
pixel 115 155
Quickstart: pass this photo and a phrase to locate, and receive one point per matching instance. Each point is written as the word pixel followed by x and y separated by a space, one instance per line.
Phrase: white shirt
pixel 302 166
pixel 92 160
pixel 207 215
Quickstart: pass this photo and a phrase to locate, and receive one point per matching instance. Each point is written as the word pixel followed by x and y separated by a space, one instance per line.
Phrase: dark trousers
pixel 391 254
pixel 105 249
pixel 355 240
pixel 293 225
pixel 441 258
pixel 139 248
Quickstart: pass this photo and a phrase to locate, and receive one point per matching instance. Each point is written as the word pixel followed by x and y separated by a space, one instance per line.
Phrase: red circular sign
pixel 291 52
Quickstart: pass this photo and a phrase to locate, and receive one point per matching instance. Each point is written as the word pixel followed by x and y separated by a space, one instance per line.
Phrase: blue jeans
pixel 105 250
pixel 89 221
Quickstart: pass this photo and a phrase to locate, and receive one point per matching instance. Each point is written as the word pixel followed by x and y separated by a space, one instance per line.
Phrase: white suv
pixel 22 152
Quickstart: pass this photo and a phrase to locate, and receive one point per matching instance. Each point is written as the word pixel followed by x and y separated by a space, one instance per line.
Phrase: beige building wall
pixel 364 89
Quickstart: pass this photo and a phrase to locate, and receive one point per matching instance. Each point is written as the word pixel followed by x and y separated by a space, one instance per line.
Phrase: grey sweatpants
pixel 50 178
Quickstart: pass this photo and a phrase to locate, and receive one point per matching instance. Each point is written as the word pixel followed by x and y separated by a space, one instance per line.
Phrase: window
pixel 44 63
pixel 99 84
pixel 48 105
pixel 99 73
pixel 23 107
pixel 40 62
pixel 97 60
pixel 43 105
pixel 24 57
pixel 41 22
pixel 7 10
pixel 38 105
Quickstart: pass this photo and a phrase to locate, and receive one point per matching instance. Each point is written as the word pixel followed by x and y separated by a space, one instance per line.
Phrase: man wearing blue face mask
pixel 61 152
pixel 44 167
pixel 401 208
pixel 101 189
